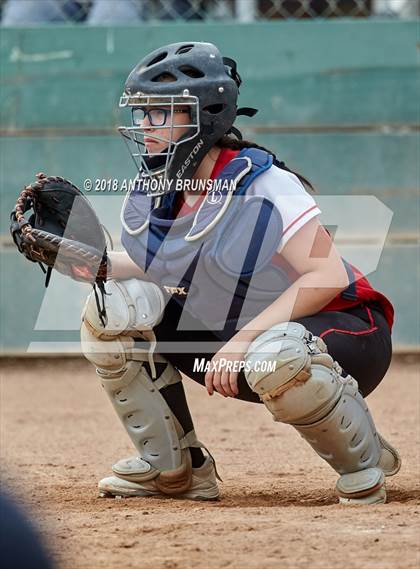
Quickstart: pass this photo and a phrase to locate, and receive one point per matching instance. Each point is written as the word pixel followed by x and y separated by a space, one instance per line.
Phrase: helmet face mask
pixel 179 76
pixel 157 164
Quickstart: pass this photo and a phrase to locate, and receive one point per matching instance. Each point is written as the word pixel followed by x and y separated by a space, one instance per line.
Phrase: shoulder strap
pixel 136 209
pixel 239 173
pixel 261 161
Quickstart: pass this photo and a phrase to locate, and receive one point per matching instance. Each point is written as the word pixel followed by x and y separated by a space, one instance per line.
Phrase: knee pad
pixel 133 308
pixel 110 355
pixel 307 390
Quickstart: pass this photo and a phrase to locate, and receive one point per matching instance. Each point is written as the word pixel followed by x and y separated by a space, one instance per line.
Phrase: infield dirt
pixel 59 436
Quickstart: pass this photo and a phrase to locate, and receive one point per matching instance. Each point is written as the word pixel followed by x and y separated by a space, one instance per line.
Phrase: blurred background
pixel 336 83
pixel 119 12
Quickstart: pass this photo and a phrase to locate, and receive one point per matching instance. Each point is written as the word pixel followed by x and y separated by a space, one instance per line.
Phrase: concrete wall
pixel 338 102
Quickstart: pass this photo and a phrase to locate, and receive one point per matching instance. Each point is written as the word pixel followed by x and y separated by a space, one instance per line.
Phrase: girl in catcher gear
pixel 229 277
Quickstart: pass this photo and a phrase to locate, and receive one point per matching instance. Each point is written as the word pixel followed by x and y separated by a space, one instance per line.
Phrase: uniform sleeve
pixel 285 191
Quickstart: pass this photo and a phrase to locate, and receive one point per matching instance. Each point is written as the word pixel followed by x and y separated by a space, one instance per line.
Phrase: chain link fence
pixel 115 12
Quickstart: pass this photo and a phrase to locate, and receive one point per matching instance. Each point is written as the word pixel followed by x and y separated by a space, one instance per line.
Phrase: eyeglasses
pixel 157 117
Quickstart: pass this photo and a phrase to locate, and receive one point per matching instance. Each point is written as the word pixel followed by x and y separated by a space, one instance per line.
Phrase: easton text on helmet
pixel 190 156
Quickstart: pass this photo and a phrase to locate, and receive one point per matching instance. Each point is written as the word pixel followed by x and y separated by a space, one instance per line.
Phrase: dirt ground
pixel 59 436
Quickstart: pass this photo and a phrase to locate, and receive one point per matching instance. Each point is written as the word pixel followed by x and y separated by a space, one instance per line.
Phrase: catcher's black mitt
pixel 63 231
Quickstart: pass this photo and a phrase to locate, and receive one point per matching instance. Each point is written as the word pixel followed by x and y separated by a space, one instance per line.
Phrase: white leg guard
pixel 136 398
pixel 307 390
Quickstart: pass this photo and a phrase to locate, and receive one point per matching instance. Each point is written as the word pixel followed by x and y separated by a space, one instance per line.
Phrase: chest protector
pixel 217 261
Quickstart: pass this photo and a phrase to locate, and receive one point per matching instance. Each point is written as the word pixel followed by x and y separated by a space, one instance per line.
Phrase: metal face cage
pixel 158 164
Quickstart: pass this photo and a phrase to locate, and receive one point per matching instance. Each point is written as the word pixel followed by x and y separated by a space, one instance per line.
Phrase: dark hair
pixel 235 144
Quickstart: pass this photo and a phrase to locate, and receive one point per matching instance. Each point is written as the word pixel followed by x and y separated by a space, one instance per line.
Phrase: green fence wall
pixel 338 100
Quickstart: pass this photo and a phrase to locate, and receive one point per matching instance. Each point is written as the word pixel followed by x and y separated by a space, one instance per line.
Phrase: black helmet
pixel 191 75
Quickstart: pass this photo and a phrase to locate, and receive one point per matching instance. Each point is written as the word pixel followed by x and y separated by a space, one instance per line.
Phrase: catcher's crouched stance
pixel 307 389
pixel 164 466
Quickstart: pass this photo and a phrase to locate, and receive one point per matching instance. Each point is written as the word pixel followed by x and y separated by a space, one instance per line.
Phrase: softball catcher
pixel 227 270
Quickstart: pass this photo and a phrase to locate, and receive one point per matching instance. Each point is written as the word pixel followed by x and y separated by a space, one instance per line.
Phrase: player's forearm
pixel 123 267
pixel 309 294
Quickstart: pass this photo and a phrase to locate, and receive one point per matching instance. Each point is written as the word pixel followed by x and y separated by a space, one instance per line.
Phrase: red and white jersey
pixel 296 207
pixel 288 195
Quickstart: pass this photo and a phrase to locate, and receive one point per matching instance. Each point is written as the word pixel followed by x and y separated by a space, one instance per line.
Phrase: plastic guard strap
pixel 101 309
pixel 48 274
pixel 261 161
pixel 190 440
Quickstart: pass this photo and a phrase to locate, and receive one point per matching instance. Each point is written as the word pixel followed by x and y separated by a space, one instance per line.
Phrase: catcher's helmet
pixel 192 75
